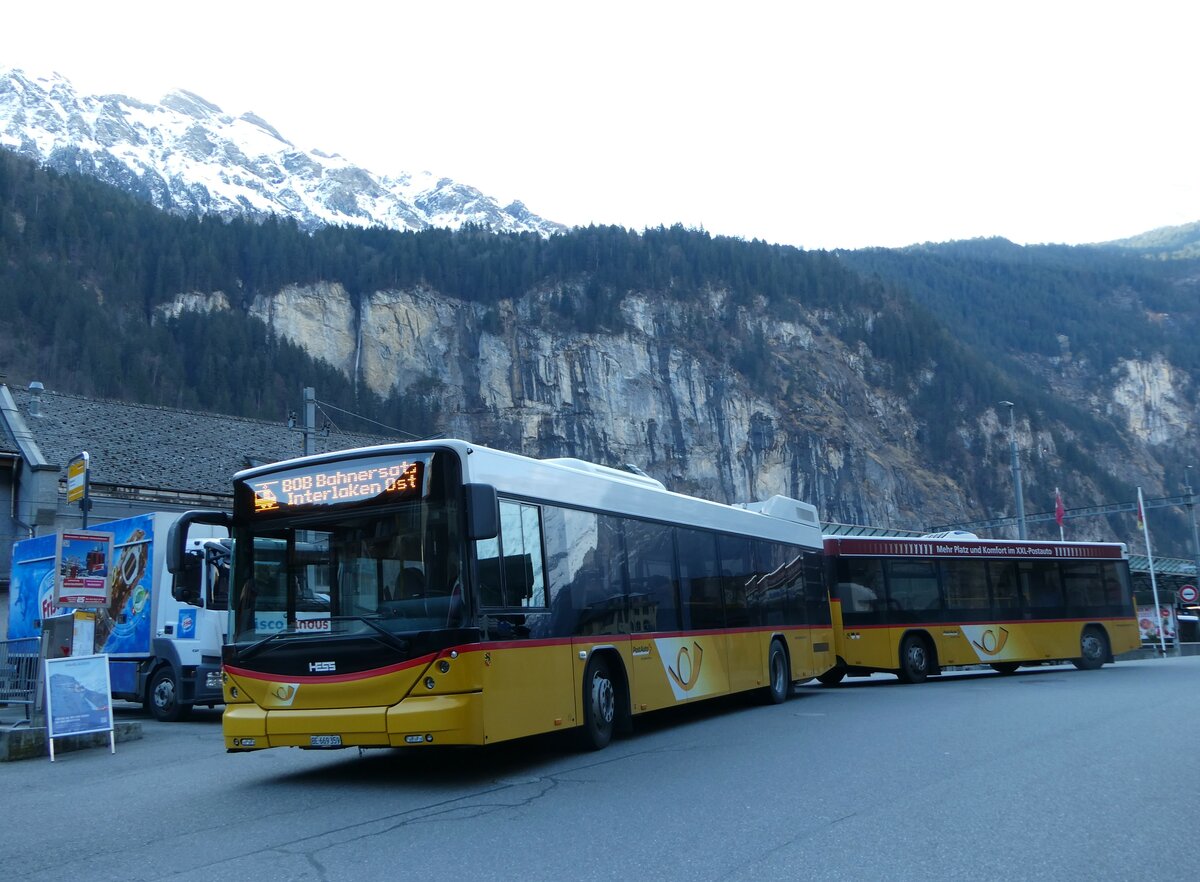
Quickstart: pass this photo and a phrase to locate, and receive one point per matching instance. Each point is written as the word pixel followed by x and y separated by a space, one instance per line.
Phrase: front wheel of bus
pixel 914 659
pixel 599 705
pixel 163 696
pixel 1005 667
pixel 1093 649
pixel 780 682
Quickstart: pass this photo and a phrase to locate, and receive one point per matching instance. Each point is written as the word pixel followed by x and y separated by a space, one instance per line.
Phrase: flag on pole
pixel 1141 518
pixel 1059 514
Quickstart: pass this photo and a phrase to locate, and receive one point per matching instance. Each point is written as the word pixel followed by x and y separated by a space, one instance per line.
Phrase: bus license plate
pixel 325 740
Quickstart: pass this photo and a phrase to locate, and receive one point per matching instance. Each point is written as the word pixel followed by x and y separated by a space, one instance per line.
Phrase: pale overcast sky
pixel 823 125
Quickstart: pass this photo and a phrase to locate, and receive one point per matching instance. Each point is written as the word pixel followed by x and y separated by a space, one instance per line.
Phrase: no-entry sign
pixel 1189 594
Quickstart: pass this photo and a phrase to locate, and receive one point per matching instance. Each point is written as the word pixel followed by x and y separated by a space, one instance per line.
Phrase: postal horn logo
pixel 992 640
pixel 686 670
pixel 284 693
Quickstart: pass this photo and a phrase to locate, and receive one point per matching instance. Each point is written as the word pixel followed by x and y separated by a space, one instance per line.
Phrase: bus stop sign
pixel 1189 594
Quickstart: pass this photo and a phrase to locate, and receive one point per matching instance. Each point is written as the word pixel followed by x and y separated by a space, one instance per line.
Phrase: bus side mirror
pixel 483 511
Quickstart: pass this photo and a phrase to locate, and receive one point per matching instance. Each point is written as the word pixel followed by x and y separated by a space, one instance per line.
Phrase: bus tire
pixel 1093 649
pixel 779 677
pixel 599 705
pixel 162 697
pixel 832 677
pixel 1005 667
pixel 915 661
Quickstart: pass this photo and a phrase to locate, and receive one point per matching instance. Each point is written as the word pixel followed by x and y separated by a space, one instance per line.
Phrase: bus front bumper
pixel 417 720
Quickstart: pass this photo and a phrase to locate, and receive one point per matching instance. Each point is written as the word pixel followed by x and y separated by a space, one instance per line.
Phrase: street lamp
pixel 1016 468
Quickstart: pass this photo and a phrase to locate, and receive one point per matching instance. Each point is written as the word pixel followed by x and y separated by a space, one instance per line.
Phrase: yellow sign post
pixel 77 484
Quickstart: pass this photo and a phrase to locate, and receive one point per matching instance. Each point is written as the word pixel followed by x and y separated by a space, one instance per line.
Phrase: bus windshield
pixel 390 566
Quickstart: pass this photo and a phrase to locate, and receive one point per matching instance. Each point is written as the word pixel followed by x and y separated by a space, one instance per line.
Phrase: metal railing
pixel 18 674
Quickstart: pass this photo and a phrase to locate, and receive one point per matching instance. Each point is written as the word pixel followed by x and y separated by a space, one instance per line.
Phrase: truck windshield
pixel 351 571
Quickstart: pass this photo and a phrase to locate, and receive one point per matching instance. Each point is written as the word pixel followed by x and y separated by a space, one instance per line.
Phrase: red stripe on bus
pixel 332 678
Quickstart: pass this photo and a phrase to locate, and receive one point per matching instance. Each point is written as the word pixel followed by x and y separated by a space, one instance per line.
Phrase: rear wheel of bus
pixel 915 659
pixel 599 704
pixel 1093 649
pixel 779 680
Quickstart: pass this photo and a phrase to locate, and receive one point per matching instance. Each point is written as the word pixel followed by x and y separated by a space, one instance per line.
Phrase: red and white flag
pixel 1059 511
pixel 1141 517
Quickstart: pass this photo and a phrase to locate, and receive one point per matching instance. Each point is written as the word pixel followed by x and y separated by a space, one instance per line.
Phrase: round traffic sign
pixel 1189 594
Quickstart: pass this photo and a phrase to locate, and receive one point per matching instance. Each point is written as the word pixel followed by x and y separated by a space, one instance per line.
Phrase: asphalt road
pixel 1049 774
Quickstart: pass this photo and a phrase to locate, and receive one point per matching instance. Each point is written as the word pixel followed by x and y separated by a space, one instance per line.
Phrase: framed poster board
pixel 78 698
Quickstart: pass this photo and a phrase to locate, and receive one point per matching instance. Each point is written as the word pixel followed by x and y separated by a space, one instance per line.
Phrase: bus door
pixel 914 602
pixel 701 664
pixel 528 680
pixel 1044 608
pixel 745 656
pixel 863 640
pixel 662 660
pixel 782 578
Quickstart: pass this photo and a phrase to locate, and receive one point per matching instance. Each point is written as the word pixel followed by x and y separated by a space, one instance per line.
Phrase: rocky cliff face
pixel 648 389
pixel 512 376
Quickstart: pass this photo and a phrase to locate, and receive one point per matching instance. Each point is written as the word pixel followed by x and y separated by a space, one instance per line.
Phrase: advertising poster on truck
pixel 124 624
pixel 83 557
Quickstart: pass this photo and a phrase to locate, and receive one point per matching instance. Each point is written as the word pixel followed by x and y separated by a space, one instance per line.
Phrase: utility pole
pixel 309 427
pixel 1191 507
pixel 1016 468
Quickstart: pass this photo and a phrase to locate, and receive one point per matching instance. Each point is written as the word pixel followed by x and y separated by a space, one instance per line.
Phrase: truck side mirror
pixel 177 536
pixel 483 511
pixel 185 587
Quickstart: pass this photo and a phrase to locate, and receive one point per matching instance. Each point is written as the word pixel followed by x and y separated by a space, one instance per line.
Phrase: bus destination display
pixel 373 479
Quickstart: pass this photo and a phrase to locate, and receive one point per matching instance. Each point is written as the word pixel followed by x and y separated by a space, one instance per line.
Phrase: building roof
pixel 167 449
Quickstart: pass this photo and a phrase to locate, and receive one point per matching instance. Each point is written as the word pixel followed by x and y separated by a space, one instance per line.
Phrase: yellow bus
pixel 444 593
pixel 913 606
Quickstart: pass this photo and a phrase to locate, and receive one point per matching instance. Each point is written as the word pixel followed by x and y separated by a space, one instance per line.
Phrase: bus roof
pixel 582 484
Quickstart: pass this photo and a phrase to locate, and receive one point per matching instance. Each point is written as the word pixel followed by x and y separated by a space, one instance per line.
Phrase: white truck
pixel 168 614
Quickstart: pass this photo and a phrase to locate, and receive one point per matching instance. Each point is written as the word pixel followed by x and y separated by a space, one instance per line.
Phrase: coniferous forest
pixel 952 328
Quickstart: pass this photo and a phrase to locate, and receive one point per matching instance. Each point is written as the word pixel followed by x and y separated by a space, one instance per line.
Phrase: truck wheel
pixel 162 698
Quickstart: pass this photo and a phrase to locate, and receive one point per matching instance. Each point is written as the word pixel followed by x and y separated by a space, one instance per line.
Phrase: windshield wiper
pixel 252 650
pixel 397 642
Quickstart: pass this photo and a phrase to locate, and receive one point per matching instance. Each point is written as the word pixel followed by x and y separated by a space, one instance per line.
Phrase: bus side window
pixel 913 585
pixel 487 572
pixel 737 571
pixel 1002 575
pixel 700 584
pixel 860 585
pixel 652 578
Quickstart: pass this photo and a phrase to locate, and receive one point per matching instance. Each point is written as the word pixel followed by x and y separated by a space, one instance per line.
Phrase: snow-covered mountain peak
pixel 187 154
